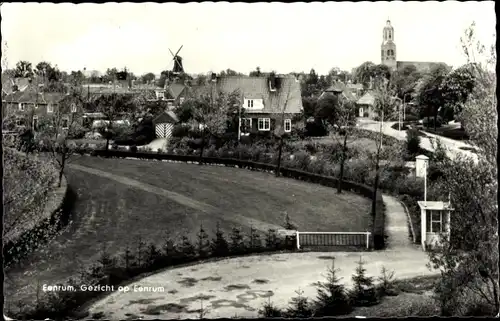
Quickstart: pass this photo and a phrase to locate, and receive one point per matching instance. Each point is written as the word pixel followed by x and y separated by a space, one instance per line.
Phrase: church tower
pixel 388 52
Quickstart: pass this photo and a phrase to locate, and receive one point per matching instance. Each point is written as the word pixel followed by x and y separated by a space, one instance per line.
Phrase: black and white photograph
pixel 211 160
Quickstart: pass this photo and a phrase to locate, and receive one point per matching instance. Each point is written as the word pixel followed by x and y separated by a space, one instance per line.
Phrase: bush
pixel 299 307
pixel 412 142
pixel 332 299
pixel 363 292
pixel 268 310
pixel 429 121
pixel 133 148
pixel 180 130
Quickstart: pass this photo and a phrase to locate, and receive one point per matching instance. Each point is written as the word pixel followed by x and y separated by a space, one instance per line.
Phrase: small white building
pixel 435 222
pixel 164 124
pixel 421 165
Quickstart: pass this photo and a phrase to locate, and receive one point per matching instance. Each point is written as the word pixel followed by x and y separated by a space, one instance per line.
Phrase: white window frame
pixel 289 122
pixel 73 108
pixel 181 100
pixel 249 127
pixel 22 106
pixel 50 108
pixel 160 94
pixel 264 122
pixel 440 221
pixel 67 123
pixel 250 103
pixel 36 106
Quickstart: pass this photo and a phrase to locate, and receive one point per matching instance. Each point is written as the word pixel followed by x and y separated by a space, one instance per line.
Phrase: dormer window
pixel 272 86
pixel 73 108
pixel 250 103
pixel 50 108
pixel 22 106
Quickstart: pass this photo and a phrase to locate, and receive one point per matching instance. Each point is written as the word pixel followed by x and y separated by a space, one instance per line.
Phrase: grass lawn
pixel 132 199
pixel 352 142
pixel 449 131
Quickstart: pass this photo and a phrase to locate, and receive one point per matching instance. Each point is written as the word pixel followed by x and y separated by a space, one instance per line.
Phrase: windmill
pixel 178 68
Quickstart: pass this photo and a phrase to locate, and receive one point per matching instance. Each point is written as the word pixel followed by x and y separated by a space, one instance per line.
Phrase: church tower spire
pixel 388 47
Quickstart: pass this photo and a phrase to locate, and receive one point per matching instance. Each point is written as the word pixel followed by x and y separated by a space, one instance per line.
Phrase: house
pixel 266 102
pixel 338 88
pixel 366 105
pixel 164 124
pixel 10 85
pixel 32 105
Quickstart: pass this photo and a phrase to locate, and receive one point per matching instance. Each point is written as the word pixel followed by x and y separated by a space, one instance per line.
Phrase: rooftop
pixel 435 205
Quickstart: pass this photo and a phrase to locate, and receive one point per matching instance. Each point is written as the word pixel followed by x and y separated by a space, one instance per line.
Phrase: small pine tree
pixel 219 245
pixel 186 248
pixel 140 252
pixel 332 298
pixel 105 263
pixel 203 243
pixel 299 307
pixel 271 239
pixel 255 241
pixel 269 310
pixel 386 283
pixel 237 245
pixel 128 258
pixel 153 254
pixel 363 292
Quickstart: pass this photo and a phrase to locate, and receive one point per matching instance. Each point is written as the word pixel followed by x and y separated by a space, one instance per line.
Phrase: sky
pixel 241 36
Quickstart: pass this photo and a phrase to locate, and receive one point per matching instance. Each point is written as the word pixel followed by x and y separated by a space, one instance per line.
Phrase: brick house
pixel 265 101
pixel 31 106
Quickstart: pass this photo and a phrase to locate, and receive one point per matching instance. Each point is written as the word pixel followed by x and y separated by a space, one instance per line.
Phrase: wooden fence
pixel 329 239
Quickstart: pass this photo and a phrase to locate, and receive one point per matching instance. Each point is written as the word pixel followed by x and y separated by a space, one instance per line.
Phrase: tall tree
pixel 469 262
pixel 285 95
pixel 456 88
pixel 147 78
pixel 24 69
pixel 429 91
pixel 363 74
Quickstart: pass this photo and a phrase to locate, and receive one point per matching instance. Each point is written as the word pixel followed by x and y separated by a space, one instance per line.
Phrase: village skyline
pixel 312 35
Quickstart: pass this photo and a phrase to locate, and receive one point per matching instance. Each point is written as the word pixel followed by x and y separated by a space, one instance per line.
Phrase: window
pixel 36 106
pixel 20 122
pixel 264 124
pixel 50 108
pixel 22 106
pixel 390 35
pixel 434 221
pixel 246 126
pixel 160 94
pixel 65 123
pixel 73 108
pixel 181 100
pixel 288 125
pixel 35 122
pixel 250 103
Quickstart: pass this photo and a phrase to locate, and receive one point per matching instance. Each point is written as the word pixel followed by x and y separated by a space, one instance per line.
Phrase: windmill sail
pixel 178 69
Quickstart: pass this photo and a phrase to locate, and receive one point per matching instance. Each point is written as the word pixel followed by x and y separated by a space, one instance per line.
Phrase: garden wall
pixel 378 226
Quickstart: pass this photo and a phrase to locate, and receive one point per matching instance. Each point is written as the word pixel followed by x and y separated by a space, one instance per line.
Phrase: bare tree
pixel 56 128
pixel 280 102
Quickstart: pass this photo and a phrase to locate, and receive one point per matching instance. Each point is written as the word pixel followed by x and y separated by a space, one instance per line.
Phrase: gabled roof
pixel 366 99
pixel 258 88
pixel 176 89
pixel 166 117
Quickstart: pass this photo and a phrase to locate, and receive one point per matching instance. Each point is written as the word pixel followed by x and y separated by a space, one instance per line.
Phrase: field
pixel 120 201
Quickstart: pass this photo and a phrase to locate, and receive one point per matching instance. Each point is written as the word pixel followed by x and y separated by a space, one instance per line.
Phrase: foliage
pixel 237 243
pixel 363 292
pixel 405 81
pixel 299 307
pixel 202 243
pixel 219 245
pixel 268 310
pixel 386 287
pixel 332 297
pixel 412 142
pixel 363 73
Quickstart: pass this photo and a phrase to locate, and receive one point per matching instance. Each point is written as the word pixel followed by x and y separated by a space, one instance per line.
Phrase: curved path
pixel 452 146
pixel 240 286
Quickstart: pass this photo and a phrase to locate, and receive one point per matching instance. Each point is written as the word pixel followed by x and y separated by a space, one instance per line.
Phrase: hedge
pixel 378 228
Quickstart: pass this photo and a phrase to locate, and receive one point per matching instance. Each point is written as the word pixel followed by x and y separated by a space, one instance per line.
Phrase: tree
pixel 332 297
pixel 284 96
pixel 363 292
pixel 429 91
pixel 364 73
pixel 299 306
pixel 469 261
pixel 56 128
pixel 203 243
pixel 237 245
pixel 255 73
pixel 212 112
pixel 384 106
pixel 24 69
pixel 219 245
pixel 456 87
pixel 148 78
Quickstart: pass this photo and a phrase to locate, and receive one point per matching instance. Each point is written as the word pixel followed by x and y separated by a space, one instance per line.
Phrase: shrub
pixel 429 121
pixel 219 246
pixel 412 142
pixel 133 148
pixel 363 292
pixel 202 243
pixel 299 307
pixel 332 298
pixel 237 245
pixel 114 146
pixel 180 130
pixel 385 286
pixel 268 310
